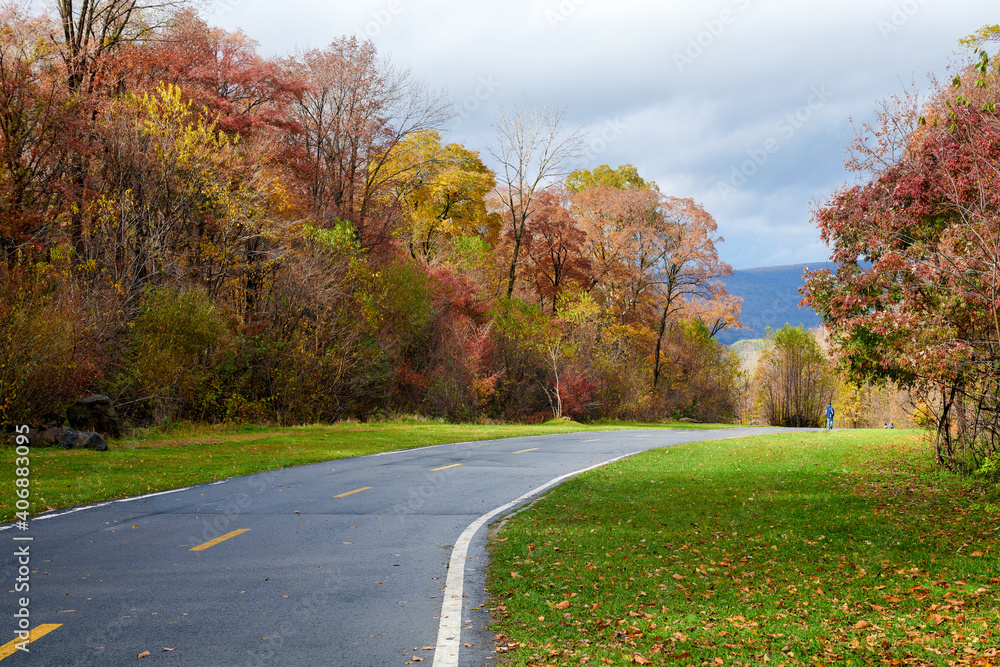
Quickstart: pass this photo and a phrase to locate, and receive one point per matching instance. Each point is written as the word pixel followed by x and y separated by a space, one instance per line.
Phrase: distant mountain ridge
pixel 770 299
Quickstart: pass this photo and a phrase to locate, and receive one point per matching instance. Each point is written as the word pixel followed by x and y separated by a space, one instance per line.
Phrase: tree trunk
pixel 659 345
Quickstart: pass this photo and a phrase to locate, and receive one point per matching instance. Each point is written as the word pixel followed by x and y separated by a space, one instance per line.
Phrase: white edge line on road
pixel 53 515
pixel 449 639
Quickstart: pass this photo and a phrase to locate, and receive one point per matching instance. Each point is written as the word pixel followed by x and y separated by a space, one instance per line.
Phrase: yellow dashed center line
pixel 597 440
pixel 212 543
pixel 39 631
pixel 453 465
pixel 526 450
pixel 642 436
pixel 344 495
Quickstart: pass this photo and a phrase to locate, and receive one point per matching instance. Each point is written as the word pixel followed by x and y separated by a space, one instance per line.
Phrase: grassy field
pixel 843 548
pixel 193 455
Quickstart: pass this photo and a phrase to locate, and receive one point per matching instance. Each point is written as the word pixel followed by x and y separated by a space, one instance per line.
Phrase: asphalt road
pixel 341 563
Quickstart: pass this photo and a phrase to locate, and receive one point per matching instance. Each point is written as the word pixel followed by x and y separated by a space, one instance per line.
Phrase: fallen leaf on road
pixel 144 654
pixel 169 649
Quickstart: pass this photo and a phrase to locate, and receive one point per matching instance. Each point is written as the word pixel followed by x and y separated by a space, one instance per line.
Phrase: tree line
pixel 204 233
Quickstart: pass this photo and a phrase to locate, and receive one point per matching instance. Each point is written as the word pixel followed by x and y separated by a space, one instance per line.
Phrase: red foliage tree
pixel 553 244
pixel 37 124
pixel 219 72
pixel 917 293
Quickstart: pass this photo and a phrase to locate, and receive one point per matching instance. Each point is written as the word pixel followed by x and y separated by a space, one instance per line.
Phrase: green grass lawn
pixel 192 455
pixel 843 548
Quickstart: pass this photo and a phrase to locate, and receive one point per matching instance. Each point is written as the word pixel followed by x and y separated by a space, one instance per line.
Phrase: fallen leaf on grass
pixel 562 605
pixel 861 625
pixel 639 660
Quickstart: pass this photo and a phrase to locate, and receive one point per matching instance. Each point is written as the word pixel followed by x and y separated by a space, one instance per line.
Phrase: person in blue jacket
pixel 829 416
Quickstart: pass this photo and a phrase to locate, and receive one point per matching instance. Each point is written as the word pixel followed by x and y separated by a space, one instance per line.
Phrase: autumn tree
pixel 621 245
pixel 36 125
pixel 793 379
pixel 181 200
pixel 915 298
pixel 687 269
pixel 219 72
pixel 355 111
pixel 532 150
pixel 441 192
pixel 623 177
pixel 554 249
pixel 93 29
pixel 654 257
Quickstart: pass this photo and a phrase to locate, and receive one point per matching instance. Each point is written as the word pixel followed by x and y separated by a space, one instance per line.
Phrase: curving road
pixel 342 563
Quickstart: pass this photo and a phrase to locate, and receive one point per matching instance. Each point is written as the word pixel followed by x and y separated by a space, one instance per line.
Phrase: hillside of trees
pixel 203 233
pixel 771 298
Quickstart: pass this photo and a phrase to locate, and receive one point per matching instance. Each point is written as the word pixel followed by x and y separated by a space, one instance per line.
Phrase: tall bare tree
pixel 531 150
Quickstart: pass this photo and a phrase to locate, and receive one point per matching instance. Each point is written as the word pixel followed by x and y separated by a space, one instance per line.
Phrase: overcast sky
pixel 744 105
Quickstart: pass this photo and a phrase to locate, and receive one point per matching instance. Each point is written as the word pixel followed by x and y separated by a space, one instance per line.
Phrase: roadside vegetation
pixel 843 548
pixel 162 459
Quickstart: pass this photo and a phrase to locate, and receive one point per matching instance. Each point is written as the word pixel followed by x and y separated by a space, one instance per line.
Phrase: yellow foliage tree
pixel 442 190
pixel 185 200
